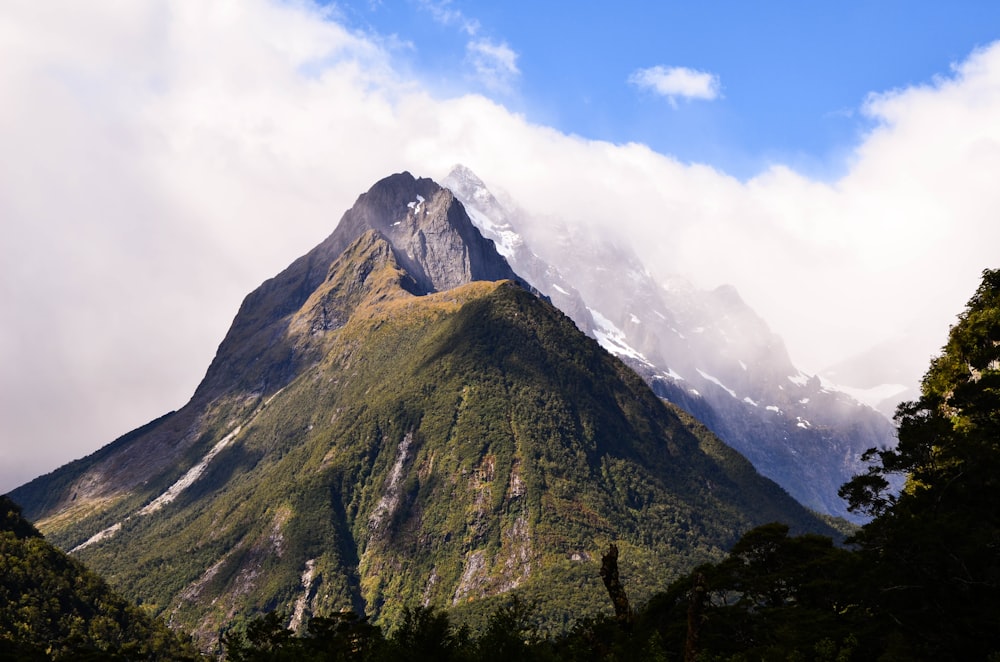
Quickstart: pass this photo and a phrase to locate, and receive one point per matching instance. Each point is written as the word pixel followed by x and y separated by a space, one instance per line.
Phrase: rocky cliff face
pixel 430 236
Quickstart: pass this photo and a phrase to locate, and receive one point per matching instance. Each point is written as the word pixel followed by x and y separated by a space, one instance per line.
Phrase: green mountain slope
pixel 437 448
pixel 51 607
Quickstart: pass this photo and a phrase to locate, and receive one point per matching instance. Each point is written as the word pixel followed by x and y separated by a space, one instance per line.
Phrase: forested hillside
pixel 51 607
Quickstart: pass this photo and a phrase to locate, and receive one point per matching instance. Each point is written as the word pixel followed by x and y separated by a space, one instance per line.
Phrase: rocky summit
pixel 396 420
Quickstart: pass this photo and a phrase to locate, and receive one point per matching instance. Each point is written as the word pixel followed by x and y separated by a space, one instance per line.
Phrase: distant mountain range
pixel 705 351
pixel 398 419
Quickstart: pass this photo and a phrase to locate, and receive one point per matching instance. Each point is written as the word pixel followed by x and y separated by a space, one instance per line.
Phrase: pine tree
pixel 933 550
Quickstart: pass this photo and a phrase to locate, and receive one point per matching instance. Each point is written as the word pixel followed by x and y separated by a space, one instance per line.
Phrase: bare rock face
pixel 429 230
pixel 432 239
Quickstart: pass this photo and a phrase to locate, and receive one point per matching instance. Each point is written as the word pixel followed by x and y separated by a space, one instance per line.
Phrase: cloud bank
pixel 163 159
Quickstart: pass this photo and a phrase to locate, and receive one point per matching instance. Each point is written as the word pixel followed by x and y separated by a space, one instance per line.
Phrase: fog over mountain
pixel 706 351
pixel 165 159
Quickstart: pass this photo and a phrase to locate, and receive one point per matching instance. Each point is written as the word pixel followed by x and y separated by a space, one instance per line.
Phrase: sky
pixel 836 161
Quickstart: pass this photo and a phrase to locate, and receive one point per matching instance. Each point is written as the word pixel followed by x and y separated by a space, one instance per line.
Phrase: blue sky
pixel 793 76
pixel 835 162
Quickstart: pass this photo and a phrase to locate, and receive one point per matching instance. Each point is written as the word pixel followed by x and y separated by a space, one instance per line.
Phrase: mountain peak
pixel 431 238
pixel 728 295
pixel 462 174
pixel 429 230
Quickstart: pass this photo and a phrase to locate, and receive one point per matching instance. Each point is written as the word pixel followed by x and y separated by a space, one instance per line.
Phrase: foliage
pixel 344 636
pixel 774 597
pixel 933 551
pixel 51 607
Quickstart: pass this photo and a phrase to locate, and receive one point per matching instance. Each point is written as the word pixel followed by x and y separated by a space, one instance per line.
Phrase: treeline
pixel 775 597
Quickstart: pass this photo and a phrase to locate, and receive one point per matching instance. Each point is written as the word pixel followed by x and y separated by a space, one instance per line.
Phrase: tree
pixel 933 550
pixel 426 634
pixel 340 637
pixel 510 633
pixel 265 638
pixel 774 597
pixel 612 582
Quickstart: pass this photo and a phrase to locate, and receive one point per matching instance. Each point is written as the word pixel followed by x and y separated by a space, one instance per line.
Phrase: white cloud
pixel 444 13
pixel 162 160
pixel 677 82
pixel 495 64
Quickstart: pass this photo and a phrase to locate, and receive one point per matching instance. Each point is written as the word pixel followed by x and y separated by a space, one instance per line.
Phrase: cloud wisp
pixel 492 62
pixel 445 13
pixel 677 83
pixel 495 64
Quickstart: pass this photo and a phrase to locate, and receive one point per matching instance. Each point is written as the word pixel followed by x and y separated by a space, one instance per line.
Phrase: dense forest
pixel 53 608
pixel 920 581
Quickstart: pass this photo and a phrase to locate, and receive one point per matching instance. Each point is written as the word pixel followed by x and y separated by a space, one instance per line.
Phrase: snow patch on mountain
pixel 611 338
pixel 416 205
pixel 673 375
pixel 716 382
pixel 870 396
pixel 799 379
pixel 505 239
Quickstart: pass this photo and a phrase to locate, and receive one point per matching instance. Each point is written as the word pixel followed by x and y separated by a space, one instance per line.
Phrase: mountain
pixel 52 607
pixel 395 420
pixel 875 376
pixel 705 351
